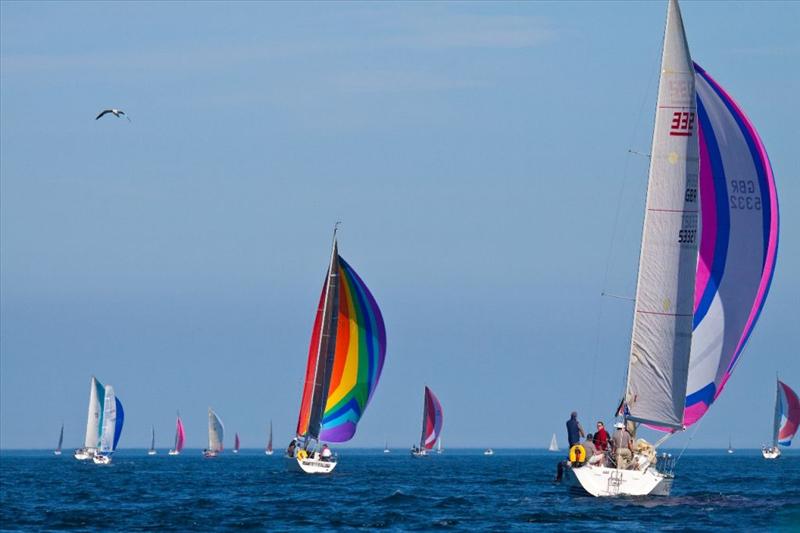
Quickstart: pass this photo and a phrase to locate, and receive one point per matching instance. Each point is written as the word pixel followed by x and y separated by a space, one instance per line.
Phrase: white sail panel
pixel 216 432
pixel 109 421
pixel 96 395
pixel 662 328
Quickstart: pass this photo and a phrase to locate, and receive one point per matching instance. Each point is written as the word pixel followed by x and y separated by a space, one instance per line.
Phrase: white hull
pixel 770 453
pixel 151 452
pixel 57 452
pixel 488 452
pixel 235 451
pixel 311 465
pixel 83 454
pixel 209 454
pixel 387 451
pixel 268 452
pixel 102 459
pixel 173 452
pixel 604 481
pixel 419 453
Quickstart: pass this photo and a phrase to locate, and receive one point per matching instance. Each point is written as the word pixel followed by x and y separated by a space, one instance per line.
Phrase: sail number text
pixel 744 195
pixel 682 123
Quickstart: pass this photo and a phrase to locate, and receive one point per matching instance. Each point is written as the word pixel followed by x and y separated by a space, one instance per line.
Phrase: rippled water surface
pixel 458 490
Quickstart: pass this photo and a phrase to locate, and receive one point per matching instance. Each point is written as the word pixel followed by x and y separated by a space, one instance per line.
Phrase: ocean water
pixel 458 490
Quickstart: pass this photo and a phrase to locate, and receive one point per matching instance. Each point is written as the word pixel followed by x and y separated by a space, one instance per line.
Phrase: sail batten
pixel 662 329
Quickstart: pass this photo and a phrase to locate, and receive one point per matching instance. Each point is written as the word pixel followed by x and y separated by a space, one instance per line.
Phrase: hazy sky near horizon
pixel 474 152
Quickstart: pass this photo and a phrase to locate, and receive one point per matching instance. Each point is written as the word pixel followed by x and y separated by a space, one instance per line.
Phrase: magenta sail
pixel 431 420
pixel 180 436
pixel 787 415
pixel 236 443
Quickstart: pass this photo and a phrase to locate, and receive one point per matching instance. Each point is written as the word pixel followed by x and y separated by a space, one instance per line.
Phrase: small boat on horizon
pixel 152 450
pixel 216 434
pixel 553 444
pixel 57 451
pixel 431 424
pixel 268 449
pixel 730 447
pixel 180 437
pixel 111 428
pixel 386 448
pixel 236 443
pixel 786 420
pixel 488 451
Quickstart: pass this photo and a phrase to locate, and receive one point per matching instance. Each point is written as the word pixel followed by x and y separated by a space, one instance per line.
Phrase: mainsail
pixel 787 415
pixel 236 443
pixel 553 444
pixel 60 438
pixel 269 442
pixel 346 356
pixel 216 432
pixel 431 420
pixel 738 241
pixel 152 438
pixel 95 418
pixel 662 328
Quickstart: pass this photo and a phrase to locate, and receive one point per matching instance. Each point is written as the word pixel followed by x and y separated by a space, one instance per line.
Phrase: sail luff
pixel 662 328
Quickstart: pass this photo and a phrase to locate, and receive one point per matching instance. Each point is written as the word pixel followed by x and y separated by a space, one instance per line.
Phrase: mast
pixel 326 346
pixel 662 328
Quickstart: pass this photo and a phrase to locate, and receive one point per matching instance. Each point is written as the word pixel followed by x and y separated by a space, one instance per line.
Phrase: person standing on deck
pixel 574 430
pixel 601 437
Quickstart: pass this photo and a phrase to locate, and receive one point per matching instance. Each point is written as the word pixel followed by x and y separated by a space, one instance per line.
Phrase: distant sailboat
pixel 152 450
pixel 553 444
pixel 345 360
pixel 730 447
pixel 94 421
pixel 786 421
pixel 111 429
pixel 57 451
pixel 439 446
pixel 236 443
pixel 386 448
pixel 216 434
pixel 488 451
pixel 708 250
pixel 180 437
pixel 268 450
pixel 431 424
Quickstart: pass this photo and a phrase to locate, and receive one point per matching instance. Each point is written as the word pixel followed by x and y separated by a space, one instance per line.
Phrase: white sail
pixel 553 444
pixel 216 432
pixel 662 327
pixel 109 421
pixel 96 395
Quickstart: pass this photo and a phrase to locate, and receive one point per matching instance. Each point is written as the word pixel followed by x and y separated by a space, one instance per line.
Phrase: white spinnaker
pixel 216 432
pixel 662 327
pixel 96 392
pixel 109 421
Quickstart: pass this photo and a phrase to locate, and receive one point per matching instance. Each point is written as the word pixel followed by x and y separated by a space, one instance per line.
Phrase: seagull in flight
pixel 116 112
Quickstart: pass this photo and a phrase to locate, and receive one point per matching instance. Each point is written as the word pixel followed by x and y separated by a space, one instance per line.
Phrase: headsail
pixel 95 418
pixel 346 356
pixel 109 421
pixel 738 242
pixel 787 415
pixel 431 420
pixel 118 423
pixel 180 435
pixel 662 327
pixel 216 432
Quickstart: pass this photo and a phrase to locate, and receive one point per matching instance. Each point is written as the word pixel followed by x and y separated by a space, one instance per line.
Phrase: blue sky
pixel 475 153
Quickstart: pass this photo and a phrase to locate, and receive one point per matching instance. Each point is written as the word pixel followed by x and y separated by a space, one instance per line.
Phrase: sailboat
pixel 386 448
pixel 730 446
pixel 236 443
pixel 695 306
pixel 111 428
pixel 268 450
pixel 786 421
pixel 553 444
pixel 57 451
pixel 94 421
pixel 152 450
pixel 431 425
pixel 488 451
pixel 180 437
pixel 345 360
pixel 216 433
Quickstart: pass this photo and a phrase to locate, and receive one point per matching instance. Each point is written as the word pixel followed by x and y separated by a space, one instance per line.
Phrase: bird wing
pixel 105 111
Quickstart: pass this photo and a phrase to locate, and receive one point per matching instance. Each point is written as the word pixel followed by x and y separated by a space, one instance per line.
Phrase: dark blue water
pixel 458 490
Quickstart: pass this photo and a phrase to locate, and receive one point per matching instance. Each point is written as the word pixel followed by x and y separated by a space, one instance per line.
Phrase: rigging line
pixel 691 436
pixel 614 230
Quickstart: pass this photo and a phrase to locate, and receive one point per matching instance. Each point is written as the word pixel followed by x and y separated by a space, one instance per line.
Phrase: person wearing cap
pixel 621 445
pixel 574 430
